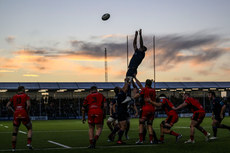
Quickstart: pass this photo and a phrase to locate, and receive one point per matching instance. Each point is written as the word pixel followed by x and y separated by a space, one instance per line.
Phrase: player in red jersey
pixel 172 118
pixel 148 111
pixel 21 109
pixel 95 104
pixel 197 118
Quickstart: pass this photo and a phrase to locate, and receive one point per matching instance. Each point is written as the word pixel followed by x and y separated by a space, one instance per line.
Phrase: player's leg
pixel 91 135
pixel 223 126
pixel 115 130
pixel 14 137
pixel 110 123
pixel 162 132
pixel 192 132
pixel 141 128
pixel 99 128
pixel 122 125
pixel 127 128
pixel 29 134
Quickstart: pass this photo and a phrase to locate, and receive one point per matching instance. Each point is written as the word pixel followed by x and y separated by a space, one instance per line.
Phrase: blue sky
pixel 56 40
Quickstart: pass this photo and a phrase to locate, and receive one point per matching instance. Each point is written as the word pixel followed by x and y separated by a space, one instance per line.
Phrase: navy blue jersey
pixel 217 105
pixel 121 108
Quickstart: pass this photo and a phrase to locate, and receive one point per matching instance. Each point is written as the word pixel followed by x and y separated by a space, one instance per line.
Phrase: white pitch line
pixel 59 144
pixel 72 148
pixel 6 126
pixel 1 125
pixel 22 132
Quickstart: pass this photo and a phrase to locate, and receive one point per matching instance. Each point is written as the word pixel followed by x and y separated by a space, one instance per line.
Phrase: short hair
pixel 188 94
pixel 21 88
pixel 116 90
pixel 148 82
pixel 93 88
pixel 162 95
pixel 212 93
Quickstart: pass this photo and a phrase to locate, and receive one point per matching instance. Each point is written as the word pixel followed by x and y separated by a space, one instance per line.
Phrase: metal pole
pixel 106 69
pixel 127 52
pixel 154 60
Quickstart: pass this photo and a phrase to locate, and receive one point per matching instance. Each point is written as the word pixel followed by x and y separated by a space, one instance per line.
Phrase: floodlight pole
pixel 106 67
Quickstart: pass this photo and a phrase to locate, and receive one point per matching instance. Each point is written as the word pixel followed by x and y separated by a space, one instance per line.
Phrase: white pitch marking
pixel 1 125
pixel 6 126
pixel 22 132
pixel 59 144
pixel 99 147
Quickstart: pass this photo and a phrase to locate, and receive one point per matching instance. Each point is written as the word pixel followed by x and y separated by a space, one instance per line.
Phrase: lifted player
pixel 95 103
pixel 197 118
pixel 172 118
pixel 21 103
pixel 218 113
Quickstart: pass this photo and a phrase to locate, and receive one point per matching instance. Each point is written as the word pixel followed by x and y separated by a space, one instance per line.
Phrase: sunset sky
pixel 64 40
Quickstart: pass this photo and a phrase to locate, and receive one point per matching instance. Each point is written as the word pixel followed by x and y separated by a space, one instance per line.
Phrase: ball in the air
pixel 105 17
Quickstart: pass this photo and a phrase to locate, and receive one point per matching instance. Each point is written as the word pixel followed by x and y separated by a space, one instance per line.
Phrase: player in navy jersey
pixel 21 109
pixel 95 103
pixel 197 118
pixel 172 118
pixel 135 61
pixel 218 113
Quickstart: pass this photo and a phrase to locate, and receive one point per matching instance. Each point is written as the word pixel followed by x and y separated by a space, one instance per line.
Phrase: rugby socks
pixel 120 134
pixel 155 136
pixel 13 144
pixel 192 137
pixel 214 129
pixel 141 137
pixel 162 138
pixel 202 130
pixel 127 129
pixel 91 141
pixel 96 137
pixel 144 133
pixel 150 137
pixel 173 133
pixel 29 140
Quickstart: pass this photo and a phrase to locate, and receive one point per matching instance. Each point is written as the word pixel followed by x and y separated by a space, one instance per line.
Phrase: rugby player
pixel 218 113
pixel 197 118
pixel 172 118
pixel 21 108
pixel 148 111
pixel 95 103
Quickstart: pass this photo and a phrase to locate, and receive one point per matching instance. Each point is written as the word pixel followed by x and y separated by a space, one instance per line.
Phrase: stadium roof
pixel 108 85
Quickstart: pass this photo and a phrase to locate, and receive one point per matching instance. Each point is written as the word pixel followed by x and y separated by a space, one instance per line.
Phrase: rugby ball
pixel 105 17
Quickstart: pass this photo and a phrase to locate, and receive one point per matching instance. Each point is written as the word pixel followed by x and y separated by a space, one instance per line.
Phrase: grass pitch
pixel 74 134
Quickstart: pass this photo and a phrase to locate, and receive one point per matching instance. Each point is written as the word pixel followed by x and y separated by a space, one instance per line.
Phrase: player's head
pixel 211 94
pixel 162 96
pixel 117 90
pixel 148 83
pixel 186 95
pixel 143 48
pixel 21 89
pixel 93 89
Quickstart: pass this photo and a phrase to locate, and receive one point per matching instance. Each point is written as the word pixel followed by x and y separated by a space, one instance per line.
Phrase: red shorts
pixel 198 116
pixel 171 119
pixel 21 116
pixel 147 114
pixel 96 118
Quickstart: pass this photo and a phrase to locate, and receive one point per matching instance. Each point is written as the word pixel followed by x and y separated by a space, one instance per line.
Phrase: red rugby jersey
pixel 19 101
pixel 94 102
pixel 194 105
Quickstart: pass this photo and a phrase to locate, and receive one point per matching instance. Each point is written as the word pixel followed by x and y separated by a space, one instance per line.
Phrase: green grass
pixel 75 134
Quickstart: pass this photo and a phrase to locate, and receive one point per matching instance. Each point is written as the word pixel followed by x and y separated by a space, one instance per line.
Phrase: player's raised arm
pixel 135 41
pixel 141 39
pixel 222 111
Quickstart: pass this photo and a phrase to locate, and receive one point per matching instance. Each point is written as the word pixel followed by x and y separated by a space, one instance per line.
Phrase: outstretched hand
pixel 140 31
